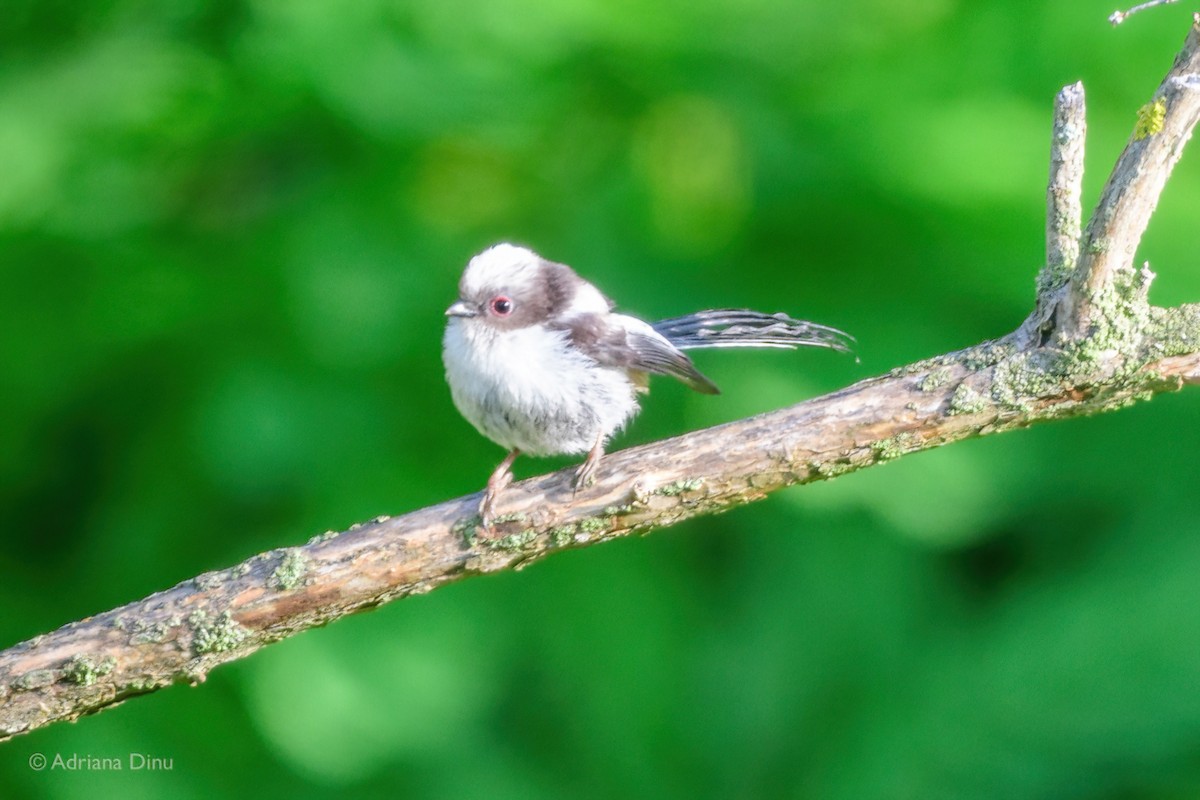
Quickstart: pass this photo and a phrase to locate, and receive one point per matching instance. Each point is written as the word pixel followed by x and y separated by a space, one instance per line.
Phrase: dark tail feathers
pixel 731 327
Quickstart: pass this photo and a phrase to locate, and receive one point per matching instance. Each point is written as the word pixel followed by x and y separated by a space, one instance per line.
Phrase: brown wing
pixel 616 345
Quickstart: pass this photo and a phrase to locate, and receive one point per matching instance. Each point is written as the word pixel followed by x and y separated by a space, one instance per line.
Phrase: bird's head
pixel 507 287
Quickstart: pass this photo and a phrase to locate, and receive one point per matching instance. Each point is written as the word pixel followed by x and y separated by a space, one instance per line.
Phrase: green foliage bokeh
pixel 228 231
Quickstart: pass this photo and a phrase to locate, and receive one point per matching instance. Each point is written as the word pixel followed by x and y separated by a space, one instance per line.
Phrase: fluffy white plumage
pixel 539 363
pixel 505 265
pixel 528 388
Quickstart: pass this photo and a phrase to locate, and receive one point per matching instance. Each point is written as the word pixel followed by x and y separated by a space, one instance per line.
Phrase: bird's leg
pixel 501 477
pixel 586 474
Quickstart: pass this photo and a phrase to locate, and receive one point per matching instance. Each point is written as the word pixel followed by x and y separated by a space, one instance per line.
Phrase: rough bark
pixel 1092 344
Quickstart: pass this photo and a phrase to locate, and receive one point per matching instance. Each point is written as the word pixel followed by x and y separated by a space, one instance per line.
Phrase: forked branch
pixel 1092 344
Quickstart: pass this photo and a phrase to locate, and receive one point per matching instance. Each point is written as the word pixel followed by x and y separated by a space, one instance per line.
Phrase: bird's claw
pixel 487 514
pixel 585 476
pixel 499 479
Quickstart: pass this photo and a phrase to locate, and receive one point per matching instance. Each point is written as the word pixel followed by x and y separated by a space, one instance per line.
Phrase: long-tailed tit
pixel 538 361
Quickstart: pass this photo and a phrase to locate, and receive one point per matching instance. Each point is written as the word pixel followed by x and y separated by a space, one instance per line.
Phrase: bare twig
pixel 1064 212
pixel 1064 195
pixel 1067 369
pixel 1129 197
pixel 1117 17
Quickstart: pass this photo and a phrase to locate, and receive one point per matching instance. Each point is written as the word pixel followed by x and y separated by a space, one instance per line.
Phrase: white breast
pixel 528 388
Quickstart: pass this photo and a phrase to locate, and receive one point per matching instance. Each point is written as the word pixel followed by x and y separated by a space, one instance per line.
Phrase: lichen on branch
pixel 1093 343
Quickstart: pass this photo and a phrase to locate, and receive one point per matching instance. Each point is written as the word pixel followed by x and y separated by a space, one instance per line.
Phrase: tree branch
pixel 1129 197
pixel 1064 211
pixel 1117 17
pixel 1064 195
pixel 1094 344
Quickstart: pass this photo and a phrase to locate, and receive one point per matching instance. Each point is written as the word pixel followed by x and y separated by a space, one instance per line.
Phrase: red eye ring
pixel 501 306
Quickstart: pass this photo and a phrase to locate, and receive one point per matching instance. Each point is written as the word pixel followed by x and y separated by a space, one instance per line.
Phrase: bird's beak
pixel 462 309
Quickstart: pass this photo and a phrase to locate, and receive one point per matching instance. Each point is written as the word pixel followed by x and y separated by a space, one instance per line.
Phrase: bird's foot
pixel 585 476
pixel 499 480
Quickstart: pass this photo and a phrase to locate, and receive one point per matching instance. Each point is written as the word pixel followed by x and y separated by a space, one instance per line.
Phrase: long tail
pixel 731 327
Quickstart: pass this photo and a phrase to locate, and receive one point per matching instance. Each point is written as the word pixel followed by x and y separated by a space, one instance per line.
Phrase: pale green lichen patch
pixel 1121 322
pixel 1150 119
pixel 1025 377
pixel 468 528
pixel 514 542
pixel 291 571
pixel 936 379
pixel 138 686
pixel 85 671
pixel 215 636
pixel 34 679
pixel 831 469
pixel 466 524
pixel 209 580
pixel 1105 370
pixel 895 446
pixel 593 525
pixel 561 535
pixel 1174 331
pixel 966 400
pixel 986 355
pixel 1053 277
pixel 323 537
pixel 973 359
pixel 148 634
pixel 676 488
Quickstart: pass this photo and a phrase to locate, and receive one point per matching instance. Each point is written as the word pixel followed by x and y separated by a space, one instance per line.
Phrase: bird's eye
pixel 502 306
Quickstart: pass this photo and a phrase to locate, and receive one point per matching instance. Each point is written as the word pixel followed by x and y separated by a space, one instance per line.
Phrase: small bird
pixel 538 361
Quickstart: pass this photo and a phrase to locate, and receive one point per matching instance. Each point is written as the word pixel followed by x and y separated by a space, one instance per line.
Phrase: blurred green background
pixel 228 231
